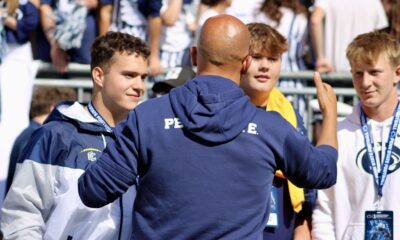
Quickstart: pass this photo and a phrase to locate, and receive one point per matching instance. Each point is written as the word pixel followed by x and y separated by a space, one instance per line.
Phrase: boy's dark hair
pixel 211 3
pixel 44 98
pixel 104 48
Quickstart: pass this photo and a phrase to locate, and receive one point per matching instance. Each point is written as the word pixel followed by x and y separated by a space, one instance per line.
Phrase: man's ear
pixel 98 76
pixel 246 64
pixel 193 56
pixel 397 72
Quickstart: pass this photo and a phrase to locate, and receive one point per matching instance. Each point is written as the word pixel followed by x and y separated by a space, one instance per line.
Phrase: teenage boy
pixel 291 210
pixel 364 203
pixel 43 201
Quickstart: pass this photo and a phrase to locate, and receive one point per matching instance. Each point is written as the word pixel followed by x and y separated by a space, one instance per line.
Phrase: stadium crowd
pixel 65 188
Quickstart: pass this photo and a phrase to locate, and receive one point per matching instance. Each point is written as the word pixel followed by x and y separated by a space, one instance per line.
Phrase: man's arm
pixel 328 104
pixel 27 24
pixel 170 14
pixel 151 9
pixel 116 170
pixel 59 57
pixel 317 37
pixel 105 15
pixel 306 165
pixel 302 230
pixel 154 27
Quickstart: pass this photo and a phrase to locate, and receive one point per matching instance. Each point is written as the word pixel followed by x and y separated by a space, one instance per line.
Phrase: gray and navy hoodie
pixel 43 202
pixel 205 157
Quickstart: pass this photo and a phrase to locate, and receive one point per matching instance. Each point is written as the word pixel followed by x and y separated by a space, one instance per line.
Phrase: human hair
pixel 367 48
pixel 211 3
pixel 394 19
pixel 264 38
pixel 46 97
pixel 104 48
pixel 12 6
pixel 272 8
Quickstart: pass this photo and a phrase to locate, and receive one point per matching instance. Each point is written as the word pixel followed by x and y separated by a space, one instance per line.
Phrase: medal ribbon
pixel 380 181
pixel 98 117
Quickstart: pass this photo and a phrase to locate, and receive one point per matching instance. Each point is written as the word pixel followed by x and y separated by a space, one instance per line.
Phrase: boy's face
pixel 375 84
pixel 262 74
pixel 124 84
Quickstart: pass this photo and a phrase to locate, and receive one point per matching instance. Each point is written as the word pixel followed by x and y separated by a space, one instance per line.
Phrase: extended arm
pixel 317 37
pixel 59 57
pixel 115 171
pixel 105 14
pixel 154 38
pixel 328 105
pixel 171 13
pixel 27 24
pixel 308 166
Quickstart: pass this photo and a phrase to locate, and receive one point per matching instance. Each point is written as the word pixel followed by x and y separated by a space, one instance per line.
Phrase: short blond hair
pixel 264 38
pixel 368 47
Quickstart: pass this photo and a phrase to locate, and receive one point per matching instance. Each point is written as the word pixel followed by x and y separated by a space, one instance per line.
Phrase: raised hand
pixel 328 106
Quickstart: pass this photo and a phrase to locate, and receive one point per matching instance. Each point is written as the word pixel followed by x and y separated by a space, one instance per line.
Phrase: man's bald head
pixel 223 40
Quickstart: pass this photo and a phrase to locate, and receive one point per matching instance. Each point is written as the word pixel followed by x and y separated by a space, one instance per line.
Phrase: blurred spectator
pixel 174 78
pixel 176 33
pixel 244 10
pixel 392 9
pixel 289 17
pixel 68 28
pixel 17 73
pixel 43 101
pixel 369 148
pixel 335 23
pixel 139 18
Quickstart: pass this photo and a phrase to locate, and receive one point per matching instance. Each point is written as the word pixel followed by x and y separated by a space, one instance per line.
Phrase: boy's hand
pixel 326 97
pixel 328 106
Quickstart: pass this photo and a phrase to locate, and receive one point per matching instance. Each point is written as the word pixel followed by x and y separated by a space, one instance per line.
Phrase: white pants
pixel 17 74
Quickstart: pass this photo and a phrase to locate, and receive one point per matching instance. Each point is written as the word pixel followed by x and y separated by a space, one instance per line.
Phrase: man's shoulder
pixel 269 117
pixel 154 104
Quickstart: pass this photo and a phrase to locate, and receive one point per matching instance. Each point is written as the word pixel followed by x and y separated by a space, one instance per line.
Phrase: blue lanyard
pixel 98 117
pixel 380 181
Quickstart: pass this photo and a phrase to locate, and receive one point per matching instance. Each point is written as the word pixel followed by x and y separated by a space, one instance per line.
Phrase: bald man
pixel 203 157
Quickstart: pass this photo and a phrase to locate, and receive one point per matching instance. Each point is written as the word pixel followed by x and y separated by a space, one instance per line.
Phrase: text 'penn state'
pixel 174 123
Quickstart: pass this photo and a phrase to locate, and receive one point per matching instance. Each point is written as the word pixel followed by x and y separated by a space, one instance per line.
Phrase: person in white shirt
pixel 369 149
pixel 178 25
pixel 335 23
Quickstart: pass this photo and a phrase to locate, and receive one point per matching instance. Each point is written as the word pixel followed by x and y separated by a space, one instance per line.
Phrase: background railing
pixel 78 77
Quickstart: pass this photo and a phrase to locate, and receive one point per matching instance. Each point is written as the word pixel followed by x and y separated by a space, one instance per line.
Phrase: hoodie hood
pixel 212 108
pixel 74 112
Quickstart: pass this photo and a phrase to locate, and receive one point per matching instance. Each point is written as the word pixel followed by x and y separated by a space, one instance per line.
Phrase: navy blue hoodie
pixel 205 157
